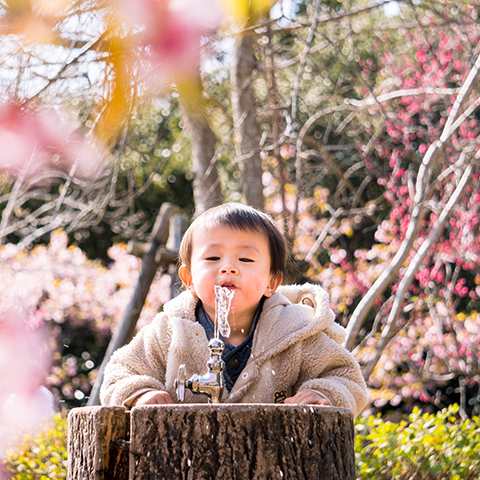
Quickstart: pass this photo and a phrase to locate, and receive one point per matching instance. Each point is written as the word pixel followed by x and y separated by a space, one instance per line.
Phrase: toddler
pixel 284 345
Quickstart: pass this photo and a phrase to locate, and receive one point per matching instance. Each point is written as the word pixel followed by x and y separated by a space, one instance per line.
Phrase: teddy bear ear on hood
pixel 316 297
pixel 308 298
pixel 306 294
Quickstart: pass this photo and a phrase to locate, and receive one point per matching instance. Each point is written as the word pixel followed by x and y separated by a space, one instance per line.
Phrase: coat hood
pixel 308 305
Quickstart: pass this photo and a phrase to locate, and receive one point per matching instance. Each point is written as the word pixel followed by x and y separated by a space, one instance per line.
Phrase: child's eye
pixel 246 260
pixel 212 259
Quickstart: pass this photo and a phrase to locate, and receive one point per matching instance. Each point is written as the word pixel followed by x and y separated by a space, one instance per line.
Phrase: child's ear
pixel 275 281
pixel 186 277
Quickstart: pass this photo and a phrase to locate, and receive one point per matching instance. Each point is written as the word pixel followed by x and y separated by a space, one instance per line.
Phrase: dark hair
pixel 241 217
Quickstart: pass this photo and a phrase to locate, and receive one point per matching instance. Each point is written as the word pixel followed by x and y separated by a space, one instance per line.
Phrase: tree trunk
pixel 207 190
pixel 226 441
pixel 247 132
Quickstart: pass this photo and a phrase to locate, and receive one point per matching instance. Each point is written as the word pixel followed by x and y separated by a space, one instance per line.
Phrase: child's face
pixel 237 259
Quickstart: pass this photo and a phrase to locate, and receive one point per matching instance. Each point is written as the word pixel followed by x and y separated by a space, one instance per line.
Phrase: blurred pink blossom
pixel 24 363
pixel 34 141
pixel 170 31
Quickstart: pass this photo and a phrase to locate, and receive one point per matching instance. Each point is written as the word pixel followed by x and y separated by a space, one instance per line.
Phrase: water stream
pixel 223 300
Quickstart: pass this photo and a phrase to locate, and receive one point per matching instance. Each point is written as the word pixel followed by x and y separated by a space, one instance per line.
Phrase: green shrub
pixel 39 456
pixel 426 447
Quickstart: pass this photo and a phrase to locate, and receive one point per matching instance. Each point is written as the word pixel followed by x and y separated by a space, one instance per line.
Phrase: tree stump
pixel 97 443
pixel 219 442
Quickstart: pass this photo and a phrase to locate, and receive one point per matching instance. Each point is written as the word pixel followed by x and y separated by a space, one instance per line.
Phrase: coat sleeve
pixel 137 367
pixel 334 373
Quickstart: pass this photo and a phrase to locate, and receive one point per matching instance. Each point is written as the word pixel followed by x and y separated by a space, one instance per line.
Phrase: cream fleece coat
pixel 296 346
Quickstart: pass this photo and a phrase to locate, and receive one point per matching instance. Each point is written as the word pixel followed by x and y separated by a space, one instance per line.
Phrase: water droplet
pixel 281 474
pixel 273 372
pixel 291 438
pixel 189 462
pixel 79 395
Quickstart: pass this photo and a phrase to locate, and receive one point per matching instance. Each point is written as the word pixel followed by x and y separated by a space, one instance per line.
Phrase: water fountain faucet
pixel 210 384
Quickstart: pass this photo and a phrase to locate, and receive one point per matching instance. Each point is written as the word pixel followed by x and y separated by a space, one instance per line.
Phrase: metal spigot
pixel 210 384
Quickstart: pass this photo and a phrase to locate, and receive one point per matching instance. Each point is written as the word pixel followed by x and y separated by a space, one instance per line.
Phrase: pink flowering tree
pixel 410 300
pixel 432 229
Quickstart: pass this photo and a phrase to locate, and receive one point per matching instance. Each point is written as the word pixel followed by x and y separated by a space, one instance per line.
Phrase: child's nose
pixel 229 268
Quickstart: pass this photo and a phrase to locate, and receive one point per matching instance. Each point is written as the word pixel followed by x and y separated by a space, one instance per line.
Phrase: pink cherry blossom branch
pixel 391 329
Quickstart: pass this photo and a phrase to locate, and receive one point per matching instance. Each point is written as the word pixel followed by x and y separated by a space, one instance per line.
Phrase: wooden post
pixel 227 441
pixel 126 328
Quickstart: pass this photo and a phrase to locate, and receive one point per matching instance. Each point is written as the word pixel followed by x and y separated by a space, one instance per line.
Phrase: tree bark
pixel 242 442
pixel 247 131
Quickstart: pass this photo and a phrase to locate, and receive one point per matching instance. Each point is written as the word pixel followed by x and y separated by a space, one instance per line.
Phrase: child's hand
pixel 153 397
pixel 307 397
